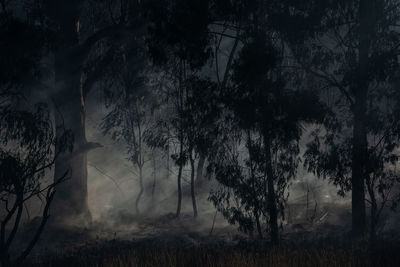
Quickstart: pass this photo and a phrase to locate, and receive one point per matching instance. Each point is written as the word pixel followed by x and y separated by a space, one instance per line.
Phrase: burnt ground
pixel 142 239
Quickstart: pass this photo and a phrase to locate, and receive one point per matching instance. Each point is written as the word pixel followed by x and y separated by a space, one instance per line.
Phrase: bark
pixel 153 188
pixel 272 203
pixel 199 172
pixel 179 180
pixel 359 150
pixel 139 196
pixel 70 202
pixel 181 161
pixel 6 241
pixel 178 208
pixel 192 192
pixel 39 230
pixel 259 230
pixel 374 209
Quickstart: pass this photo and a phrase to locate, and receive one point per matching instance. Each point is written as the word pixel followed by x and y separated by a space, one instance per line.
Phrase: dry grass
pixel 300 255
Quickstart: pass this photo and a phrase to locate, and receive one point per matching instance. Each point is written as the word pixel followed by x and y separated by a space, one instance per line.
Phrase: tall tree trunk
pixel 139 196
pixel 178 208
pixel 272 203
pixel 374 216
pixel 71 201
pixel 179 180
pixel 181 139
pixel 153 188
pixel 192 192
pixel 360 90
pixel 259 230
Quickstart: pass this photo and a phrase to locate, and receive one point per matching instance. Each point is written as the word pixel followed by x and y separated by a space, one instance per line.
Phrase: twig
pixel 212 227
pixel 108 176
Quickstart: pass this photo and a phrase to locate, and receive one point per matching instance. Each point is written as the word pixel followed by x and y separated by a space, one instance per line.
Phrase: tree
pixel 131 106
pixel 179 41
pixel 28 147
pixel 56 34
pixel 73 46
pixel 28 151
pixel 350 47
pixel 267 116
pixel 200 115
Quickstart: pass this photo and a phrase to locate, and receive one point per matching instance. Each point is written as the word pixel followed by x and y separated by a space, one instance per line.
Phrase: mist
pixel 199 133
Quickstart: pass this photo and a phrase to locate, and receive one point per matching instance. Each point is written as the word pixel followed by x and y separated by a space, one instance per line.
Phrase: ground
pixel 167 241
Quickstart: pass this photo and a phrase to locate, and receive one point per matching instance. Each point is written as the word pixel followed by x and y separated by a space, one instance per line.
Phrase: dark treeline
pixel 225 88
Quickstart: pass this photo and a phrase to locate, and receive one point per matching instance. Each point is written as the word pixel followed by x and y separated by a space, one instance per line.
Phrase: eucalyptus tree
pixel 131 104
pixel 75 41
pixel 268 115
pixel 179 44
pixel 86 34
pixel 351 48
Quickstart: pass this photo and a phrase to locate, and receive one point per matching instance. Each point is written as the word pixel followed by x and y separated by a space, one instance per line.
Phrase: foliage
pixel 28 151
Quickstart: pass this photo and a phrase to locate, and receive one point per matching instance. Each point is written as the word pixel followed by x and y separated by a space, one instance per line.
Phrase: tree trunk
pixel 71 199
pixel 358 166
pixel 272 205
pixel 192 187
pixel 374 220
pixel 178 208
pixel 359 153
pixel 199 173
pixel 70 202
pixel 139 196
pixel 153 188
pixel 259 230
pixel 373 210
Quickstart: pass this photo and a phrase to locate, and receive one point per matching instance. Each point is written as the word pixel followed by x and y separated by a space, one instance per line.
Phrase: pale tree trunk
pixel 70 201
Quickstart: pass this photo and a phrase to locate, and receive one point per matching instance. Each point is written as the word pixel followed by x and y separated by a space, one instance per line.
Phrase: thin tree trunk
pixel 178 208
pixel 373 210
pixel 213 224
pixel 272 205
pixel 259 230
pixel 199 172
pixel 141 189
pixel 181 162
pixel 192 192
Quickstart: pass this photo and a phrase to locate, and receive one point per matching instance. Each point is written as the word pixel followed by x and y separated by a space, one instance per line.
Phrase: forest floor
pixel 167 241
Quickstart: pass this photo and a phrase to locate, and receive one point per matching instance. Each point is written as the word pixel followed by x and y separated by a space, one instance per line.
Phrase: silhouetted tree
pixel 131 105
pixel 351 47
pixel 87 36
pixel 28 151
pixel 179 41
